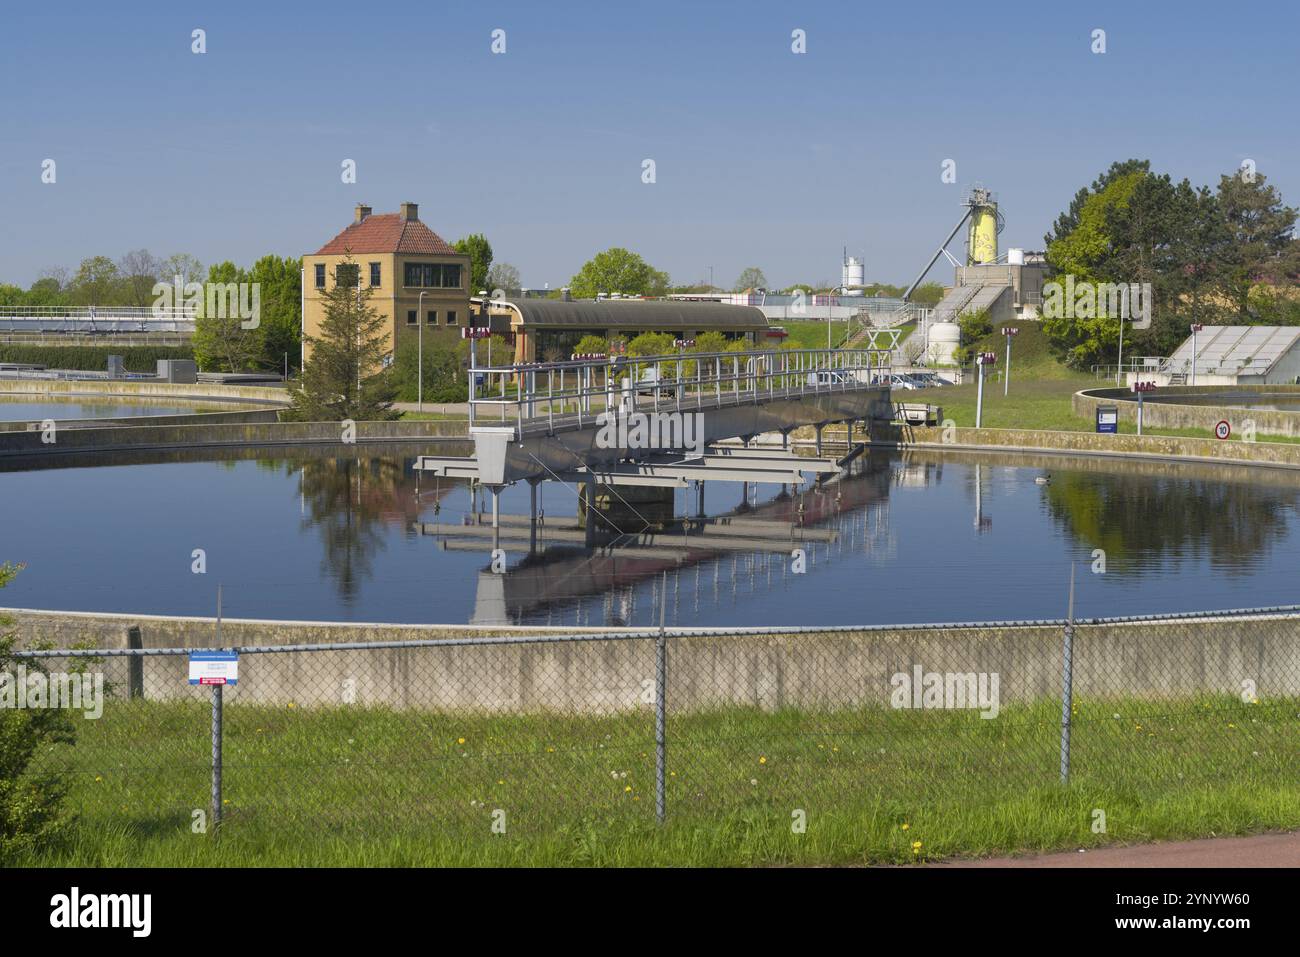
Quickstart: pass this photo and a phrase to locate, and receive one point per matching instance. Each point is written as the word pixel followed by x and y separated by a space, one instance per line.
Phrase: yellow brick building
pixel 416 276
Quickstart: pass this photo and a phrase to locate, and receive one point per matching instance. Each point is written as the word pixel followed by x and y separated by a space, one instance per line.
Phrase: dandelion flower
pixel 906 826
pixel 762 760
pixel 627 789
pixel 460 740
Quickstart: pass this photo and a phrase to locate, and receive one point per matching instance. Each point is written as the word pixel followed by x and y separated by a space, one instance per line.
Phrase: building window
pixel 347 274
pixel 451 317
pixel 374 274
pixel 431 276
pixel 412 317
pixel 320 275
pixel 432 317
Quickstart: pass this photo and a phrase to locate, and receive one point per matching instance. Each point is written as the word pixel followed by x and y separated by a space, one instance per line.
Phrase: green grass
pixel 373 786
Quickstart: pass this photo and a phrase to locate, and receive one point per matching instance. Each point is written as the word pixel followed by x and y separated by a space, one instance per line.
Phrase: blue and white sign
pixel 214 667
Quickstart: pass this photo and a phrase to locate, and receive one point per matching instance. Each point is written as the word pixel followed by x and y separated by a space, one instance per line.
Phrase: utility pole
pixel 1196 327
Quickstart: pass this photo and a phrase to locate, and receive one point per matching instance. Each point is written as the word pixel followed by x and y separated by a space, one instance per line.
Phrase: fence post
pixel 216 758
pixel 134 664
pixel 1067 683
pixel 661 681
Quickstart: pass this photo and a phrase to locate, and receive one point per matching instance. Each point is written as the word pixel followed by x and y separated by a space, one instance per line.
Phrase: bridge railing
pixel 564 394
pixel 92 319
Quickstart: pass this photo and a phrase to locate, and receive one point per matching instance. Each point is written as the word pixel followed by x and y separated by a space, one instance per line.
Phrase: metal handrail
pixel 674 381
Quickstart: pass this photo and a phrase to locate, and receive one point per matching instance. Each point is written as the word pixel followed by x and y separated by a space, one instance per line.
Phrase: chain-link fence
pixel 570 734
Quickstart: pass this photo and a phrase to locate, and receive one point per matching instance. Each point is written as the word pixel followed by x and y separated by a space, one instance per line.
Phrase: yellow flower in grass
pixel 627 789
pixel 762 759
pixel 98 778
pixel 292 706
pixel 916 847
pixel 906 826
pixel 460 740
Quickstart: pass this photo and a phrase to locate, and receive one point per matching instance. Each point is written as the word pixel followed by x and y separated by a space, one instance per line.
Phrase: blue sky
pixel 763 157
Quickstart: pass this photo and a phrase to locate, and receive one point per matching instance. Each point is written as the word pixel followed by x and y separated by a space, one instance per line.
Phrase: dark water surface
pixel 920 537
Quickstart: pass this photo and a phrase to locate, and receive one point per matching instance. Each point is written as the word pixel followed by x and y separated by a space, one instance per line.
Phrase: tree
pixel 1068 221
pixel 1261 246
pixel 140 271
pixel 280 283
pixel 183 265
pixel 345 377
pixel 591 345
pixel 479 251
pixel 750 278
pixel 96 281
pixel 503 276
pixel 651 344
pixel 30 797
pixel 618 270
pixel 975 327
pixel 445 379
pixel 226 343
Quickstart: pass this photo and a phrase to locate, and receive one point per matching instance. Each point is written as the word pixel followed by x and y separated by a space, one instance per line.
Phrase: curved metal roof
pixel 640 314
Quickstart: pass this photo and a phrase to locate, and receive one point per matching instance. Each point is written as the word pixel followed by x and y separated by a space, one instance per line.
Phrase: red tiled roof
pixel 386 233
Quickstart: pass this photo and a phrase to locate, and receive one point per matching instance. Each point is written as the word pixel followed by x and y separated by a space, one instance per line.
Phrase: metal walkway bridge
pixel 655 420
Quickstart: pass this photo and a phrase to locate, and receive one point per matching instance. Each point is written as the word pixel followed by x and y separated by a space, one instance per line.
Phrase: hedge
pixel 93 358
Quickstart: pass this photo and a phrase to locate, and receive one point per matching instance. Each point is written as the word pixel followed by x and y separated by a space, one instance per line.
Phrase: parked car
pixel 831 377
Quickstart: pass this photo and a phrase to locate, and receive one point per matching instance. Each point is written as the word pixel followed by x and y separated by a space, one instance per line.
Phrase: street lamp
pixel 1010 332
pixel 419 321
pixel 1196 327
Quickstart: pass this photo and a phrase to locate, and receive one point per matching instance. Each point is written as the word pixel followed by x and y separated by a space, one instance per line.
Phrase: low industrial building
pixel 1230 355
pixel 550 329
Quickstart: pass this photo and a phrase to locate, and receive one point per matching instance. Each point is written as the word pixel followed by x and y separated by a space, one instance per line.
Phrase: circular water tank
pixel 944 338
pixel 1015 257
pixel 854 273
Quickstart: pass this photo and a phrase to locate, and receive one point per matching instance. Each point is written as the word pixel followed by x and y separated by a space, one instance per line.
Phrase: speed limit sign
pixel 1223 429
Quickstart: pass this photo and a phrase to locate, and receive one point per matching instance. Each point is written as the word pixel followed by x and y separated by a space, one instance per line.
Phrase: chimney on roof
pixel 362 212
pixel 411 212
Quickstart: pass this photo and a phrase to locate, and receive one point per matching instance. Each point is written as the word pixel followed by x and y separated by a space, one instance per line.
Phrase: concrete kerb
pixel 1166 415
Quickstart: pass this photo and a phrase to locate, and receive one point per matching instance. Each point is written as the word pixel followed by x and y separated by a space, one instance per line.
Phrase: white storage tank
pixel 944 338
pixel 1015 257
pixel 853 274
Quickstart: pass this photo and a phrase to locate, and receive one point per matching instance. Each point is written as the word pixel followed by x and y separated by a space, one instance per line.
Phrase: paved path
pixel 1257 850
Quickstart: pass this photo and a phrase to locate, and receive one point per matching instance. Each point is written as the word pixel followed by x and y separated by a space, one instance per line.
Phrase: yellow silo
pixel 982 242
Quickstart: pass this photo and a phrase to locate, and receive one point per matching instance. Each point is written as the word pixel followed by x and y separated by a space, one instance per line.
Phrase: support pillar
pixel 532 517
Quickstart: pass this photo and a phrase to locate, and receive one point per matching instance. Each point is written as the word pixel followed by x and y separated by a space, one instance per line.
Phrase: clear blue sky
pixel 763 157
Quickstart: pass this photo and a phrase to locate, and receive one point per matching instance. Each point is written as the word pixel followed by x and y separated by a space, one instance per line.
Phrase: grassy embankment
pixel 1040 393
pixel 368 786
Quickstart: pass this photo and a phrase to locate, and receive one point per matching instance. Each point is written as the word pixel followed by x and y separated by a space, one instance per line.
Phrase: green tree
pixel 651 344
pixel 345 377
pixel 1261 247
pixel 223 340
pixel 591 344
pixel 97 281
pixel 445 361
pixel 974 327
pixel 280 283
pixel 750 278
pixel 479 251
pixel 31 797
pixel 618 270
pixel 1069 220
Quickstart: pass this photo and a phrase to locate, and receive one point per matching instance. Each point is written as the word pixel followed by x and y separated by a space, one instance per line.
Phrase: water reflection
pixel 312 534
